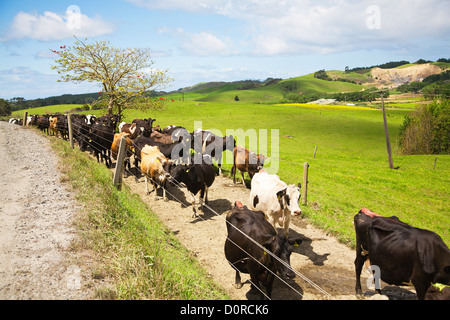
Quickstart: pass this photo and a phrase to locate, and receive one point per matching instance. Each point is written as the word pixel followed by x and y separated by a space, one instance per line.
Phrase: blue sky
pixel 219 40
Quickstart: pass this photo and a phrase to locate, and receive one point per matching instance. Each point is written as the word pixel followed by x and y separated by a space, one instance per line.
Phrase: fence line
pixel 255 242
pixel 362 186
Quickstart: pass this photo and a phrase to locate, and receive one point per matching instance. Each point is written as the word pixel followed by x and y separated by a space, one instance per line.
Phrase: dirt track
pixel 321 258
pixel 36 212
pixel 35 232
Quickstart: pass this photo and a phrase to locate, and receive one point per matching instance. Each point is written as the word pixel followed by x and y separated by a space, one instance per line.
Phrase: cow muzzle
pixel 288 275
pixel 297 213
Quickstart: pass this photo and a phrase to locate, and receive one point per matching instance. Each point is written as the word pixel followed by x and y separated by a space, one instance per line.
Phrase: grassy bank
pixel 132 249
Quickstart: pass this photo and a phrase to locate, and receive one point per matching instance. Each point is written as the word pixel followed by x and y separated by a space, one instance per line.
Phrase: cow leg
pixel 237 280
pixel 359 262
pixel 155 188
pixel 136 169
pixel 146 185
pixel 242 175
pixel 256 286
pixel 233 172
pixel 219 164
pixel 286 222
pixel 205 195
pixel 421 288
pixel 164 190
pixel 272 220
pixel 193 206
pixel 270 278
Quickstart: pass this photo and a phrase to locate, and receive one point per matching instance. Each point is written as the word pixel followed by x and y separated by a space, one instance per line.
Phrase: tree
pixel 125 75
pixel 322 74
pixel 5 108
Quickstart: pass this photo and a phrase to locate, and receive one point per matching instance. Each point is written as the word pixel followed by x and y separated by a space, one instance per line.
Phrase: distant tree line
pixel 370 94
pixel 432 86
pixel 322 74
pixel 19 103
pixel 394 64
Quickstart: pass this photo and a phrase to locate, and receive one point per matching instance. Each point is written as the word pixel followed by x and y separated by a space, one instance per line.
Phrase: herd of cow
pixel 401 253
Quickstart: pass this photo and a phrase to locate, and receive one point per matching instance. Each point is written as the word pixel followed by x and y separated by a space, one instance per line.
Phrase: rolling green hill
pixel 272 93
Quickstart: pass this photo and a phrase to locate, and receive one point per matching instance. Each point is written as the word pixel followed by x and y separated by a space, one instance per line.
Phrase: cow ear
pixel 425 250
pixel 268 244
pixel 281 193
pixel 299 185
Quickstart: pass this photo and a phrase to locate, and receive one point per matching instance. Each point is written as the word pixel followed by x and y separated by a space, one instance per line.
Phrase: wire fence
pixel 265 250
pixel 297 273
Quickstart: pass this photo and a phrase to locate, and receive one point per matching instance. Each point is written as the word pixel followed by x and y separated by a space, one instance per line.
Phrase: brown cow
pixel 52 125
pixel 156 166
pixel 128 149
pixel 246 161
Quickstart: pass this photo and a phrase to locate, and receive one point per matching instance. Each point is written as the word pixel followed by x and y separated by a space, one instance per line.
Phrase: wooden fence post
pixel 69 124
pixel 315 150
pixel 386 133
pixel 25 116
pixel 118 172
pixel 305 184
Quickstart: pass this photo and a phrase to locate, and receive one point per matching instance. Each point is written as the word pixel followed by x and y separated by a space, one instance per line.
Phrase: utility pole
pixel 386 132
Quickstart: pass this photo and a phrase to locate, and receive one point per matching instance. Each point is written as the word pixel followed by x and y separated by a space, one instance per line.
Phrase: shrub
pixel 427 129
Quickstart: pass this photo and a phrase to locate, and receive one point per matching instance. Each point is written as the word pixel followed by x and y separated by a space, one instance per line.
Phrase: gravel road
pixel 36 212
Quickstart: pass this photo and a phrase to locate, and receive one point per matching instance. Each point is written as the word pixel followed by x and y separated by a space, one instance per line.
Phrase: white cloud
pixel 308 26
pixel 29 83
pixel 204 44
pixel 52 26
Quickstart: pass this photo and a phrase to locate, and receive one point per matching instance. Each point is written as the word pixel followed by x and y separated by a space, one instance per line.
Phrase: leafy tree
pixel 427 129
pixel 288 87
pixel 125 75
pixel 322 74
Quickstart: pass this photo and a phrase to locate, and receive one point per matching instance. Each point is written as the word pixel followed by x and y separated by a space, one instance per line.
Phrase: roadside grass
pixel 133 250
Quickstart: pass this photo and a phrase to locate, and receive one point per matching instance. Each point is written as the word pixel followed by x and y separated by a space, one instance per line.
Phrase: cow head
pixel 289 198
pixel 179 172
pixel 434 256
pixel 281 247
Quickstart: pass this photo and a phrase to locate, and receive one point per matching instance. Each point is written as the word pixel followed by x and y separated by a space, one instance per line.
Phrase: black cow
pixel 43 123
pixel 144 126
pixel 101 139
pixel 206 142
pixel 62 126
pixel 402 253
pixel 197 176
pixel 244 255
pixel 81 130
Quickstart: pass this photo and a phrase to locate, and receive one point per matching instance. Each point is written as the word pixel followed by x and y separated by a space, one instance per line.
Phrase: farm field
pixel 350 170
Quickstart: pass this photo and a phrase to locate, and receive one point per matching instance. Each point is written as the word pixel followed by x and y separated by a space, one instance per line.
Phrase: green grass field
pixel 350 170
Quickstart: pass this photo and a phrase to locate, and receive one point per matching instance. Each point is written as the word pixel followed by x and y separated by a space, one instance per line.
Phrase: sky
pixel 218 40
